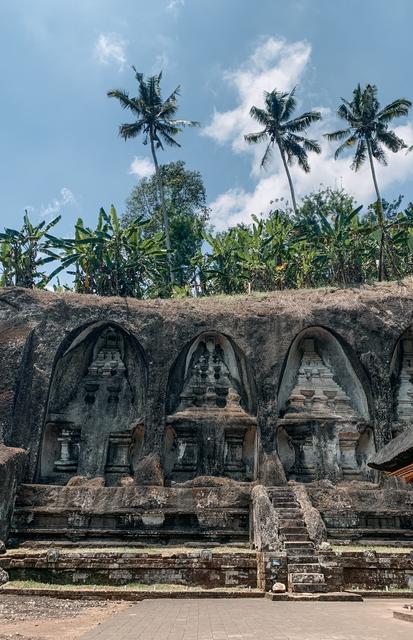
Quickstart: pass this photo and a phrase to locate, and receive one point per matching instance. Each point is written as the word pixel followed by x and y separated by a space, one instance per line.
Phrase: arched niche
pixel 323 429
pixel 401 370
pixel 96 403
pixel 233 358
pixel 331 353
pixel 211 424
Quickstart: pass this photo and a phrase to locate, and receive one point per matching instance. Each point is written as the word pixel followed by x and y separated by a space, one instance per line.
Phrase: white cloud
pixel 141 167
pixel 55 207
pixel 111 47
pixel 276 64
pixel 174 5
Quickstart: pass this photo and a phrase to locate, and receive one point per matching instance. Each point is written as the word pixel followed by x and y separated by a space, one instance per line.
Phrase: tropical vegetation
pixel 155 120
pixel 285 132
pixel 163 245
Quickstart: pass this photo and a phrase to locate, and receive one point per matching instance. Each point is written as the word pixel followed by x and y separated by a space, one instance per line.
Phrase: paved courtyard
pixel 242 619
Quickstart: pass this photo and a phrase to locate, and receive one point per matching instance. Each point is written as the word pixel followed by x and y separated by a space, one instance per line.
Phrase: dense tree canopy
pixel 185 202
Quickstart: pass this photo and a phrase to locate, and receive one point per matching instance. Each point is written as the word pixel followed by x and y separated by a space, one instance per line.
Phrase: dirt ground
pixel 42 618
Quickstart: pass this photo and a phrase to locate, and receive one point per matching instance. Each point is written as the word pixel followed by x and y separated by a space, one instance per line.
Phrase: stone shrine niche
pixel 94 421
pixel 323 430
pixel 210 429
pixel 402 376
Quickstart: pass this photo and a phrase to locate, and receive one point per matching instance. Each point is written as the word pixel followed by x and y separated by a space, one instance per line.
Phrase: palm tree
pixel 368 131
pixel 280 130
pixel 155 121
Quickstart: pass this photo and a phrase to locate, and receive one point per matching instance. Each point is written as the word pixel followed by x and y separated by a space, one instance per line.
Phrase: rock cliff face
pixel 300 385
pixel 12 466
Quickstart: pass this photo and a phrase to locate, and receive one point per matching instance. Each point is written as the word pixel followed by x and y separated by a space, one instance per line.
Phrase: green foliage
pixel 287 133
pixel 328 241
pixel 367 128
pixel 155 120
pixel 368 132
pixel 155 117
pixel 185 202
pixel 113 260
pixel 24 253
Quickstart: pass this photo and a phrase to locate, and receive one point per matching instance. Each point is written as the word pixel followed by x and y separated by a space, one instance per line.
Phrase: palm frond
pixel 347 144
pixel 345 112
pixel 131 130
pixel 170 141
pixel 260 115
pixel 377 151
pixel 125 101
pixel 257 136
pixel 360 156
pixel 185 123
pixel 267 157
pixel 395 109
pixel 289 105
pixel 338 135
pixel 301 123
pixel 390 140
pixel 295 151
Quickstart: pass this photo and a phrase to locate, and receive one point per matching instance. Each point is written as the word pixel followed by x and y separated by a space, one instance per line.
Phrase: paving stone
pixel 240 619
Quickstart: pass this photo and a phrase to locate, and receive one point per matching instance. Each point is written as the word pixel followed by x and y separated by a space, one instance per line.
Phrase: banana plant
pixel 111 259
pixel 25 252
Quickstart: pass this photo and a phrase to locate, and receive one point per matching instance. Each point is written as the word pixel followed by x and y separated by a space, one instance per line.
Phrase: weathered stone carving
pixel 316 391
pixel 319 432
pixel 92 434
pixel 405 391
pixel 210 433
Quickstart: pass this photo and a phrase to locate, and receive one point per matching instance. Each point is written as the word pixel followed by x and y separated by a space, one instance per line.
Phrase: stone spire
pixel 405 394
pixel 209 381
pixel 315 391
pixel 108 361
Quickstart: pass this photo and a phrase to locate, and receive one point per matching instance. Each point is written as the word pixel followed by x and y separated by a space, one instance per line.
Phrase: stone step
pixel 304 587
pixel 280 490
pixel 306 544
pixel 301 567
pixel 305 578
pixel 289 513
pixel 296 537
pixel 285 505
pixel 296 558
pixel 300 551
pixel 293 529
pixel 291 522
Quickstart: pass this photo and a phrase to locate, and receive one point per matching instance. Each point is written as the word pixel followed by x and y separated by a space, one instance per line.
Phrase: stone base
pixel 340 596
pixel 403 614
pixel 152 515
pixel 202 568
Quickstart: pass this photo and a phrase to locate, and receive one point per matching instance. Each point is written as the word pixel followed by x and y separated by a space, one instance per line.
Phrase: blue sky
pixel 59 145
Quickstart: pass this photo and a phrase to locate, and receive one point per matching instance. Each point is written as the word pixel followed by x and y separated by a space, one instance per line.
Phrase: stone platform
pixel 147 514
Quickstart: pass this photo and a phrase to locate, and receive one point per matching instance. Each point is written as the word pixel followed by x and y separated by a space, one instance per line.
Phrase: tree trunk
pixel 290 182
pixel 164 212
pixel 380 214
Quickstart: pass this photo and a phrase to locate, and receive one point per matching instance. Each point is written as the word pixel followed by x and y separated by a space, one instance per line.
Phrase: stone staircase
pixel 304 571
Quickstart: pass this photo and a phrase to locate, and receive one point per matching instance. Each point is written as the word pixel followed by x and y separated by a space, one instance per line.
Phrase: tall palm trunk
pixel 290 182
pixel 164 211
pixel 380 214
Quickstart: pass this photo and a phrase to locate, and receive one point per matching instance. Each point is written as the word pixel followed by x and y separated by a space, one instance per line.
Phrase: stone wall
pixel 367 570
pixel 193 568
pixel 307 384
pixel 12 466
